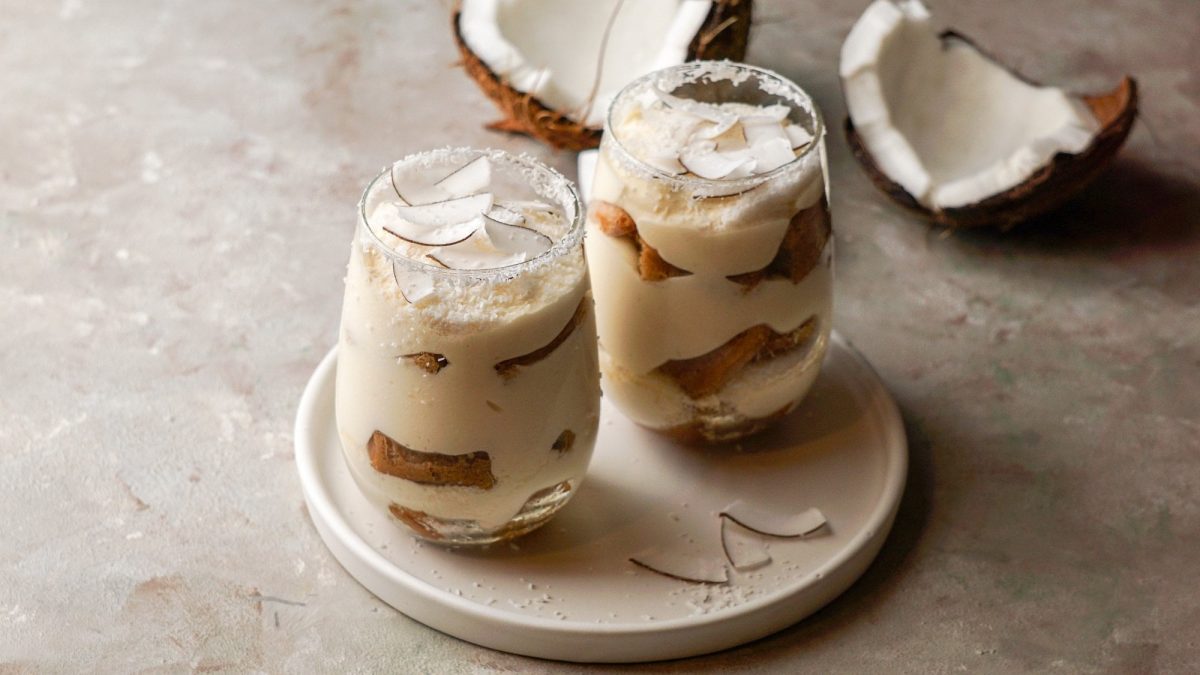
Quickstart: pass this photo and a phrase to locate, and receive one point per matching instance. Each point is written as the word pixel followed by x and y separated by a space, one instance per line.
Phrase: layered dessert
pixel 467 393
pixel 710 250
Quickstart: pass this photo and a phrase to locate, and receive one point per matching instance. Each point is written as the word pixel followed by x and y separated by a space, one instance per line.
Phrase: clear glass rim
pixel 798 97
pixel 559 188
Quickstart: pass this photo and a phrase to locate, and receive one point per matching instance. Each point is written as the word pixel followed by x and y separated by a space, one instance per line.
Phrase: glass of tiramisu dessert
pixel 710 250
pixel 467 396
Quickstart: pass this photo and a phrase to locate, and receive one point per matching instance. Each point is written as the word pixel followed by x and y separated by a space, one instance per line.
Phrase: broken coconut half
pixel 552 66
pixel 950 133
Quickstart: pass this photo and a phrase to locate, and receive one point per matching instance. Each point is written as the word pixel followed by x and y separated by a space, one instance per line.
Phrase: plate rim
pixel 326 515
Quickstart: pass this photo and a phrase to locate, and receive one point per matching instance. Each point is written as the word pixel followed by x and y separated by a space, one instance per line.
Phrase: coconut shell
pixel 1063 177
pixel 724 35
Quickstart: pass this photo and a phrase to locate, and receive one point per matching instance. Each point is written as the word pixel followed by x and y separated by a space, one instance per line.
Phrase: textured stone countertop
pixel 177 182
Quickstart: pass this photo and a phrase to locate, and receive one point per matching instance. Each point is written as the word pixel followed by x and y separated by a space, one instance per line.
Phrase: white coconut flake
pixel 702 159
pixel 666 163
pixel 718 128
pixel 386 217
pixel 682 565
pixel 774 523
pixel 516 239
pixel 413 194
pixel 505 215
pixel 760 129
pixel 478 252
pixel 469 179
pixel 528 205
pixel 707 111
pixel 798 136
pixel 744 548
pixel 413 285
pixel 772 154
pixel 448 212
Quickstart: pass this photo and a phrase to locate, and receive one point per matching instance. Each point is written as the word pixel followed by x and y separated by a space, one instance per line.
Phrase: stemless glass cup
pixel 729 335
pixel 468 400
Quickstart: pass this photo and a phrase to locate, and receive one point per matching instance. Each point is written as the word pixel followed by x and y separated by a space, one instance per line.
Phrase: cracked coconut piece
pixel 799 251
pixel 616 222
pixel 708 374
pixel 429 468
pixel 428 361
pixel 509 367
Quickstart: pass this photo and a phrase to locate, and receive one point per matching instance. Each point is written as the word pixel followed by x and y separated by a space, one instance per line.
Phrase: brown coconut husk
pixel 724 35
pixel 1063 177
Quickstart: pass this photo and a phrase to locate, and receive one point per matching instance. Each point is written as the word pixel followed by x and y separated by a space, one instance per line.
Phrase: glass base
pixel 540 507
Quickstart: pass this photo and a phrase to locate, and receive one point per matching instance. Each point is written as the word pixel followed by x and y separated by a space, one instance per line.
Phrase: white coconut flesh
pixel 945 122
pixel 566 54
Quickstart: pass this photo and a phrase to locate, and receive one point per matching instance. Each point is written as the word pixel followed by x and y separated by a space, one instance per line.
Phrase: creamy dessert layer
pixel 710 249
pixel 467 366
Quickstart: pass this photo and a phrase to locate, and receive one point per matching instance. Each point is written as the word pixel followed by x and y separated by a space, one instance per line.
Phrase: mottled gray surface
pixel 176 191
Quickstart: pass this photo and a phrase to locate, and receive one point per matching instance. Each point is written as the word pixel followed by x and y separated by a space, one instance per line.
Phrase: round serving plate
pixel 569 591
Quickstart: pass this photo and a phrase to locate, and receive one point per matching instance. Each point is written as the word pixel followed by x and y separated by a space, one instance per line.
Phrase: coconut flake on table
pixel 743 547
pixel 774 523
pixel 682 565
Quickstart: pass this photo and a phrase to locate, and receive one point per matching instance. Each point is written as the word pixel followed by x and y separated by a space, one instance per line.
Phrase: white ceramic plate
pixel 569 592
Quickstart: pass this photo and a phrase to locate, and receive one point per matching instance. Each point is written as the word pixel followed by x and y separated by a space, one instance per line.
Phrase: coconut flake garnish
pixel 771 154
pixel 437 224
pixel 413 285
pixel 717 128
pixel 505 215
pixel 468 179
pixel 666 163
pixel 682 565
pixel 773 523
pixel 718 144
pixel 798 135
pixel 744 548
pixel 480 251
pixel 703 159
pixel 516 239
pixel 411 194
pixel 759 129
pixel 527 205
pixel 708 111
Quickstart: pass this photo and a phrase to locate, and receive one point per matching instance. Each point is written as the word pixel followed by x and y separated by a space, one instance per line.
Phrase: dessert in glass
pixel 467 394
pixel 710 249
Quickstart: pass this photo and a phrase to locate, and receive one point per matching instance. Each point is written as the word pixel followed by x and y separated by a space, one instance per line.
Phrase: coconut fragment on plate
pixel 775 523
pixel 682 565
pixel 744 548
